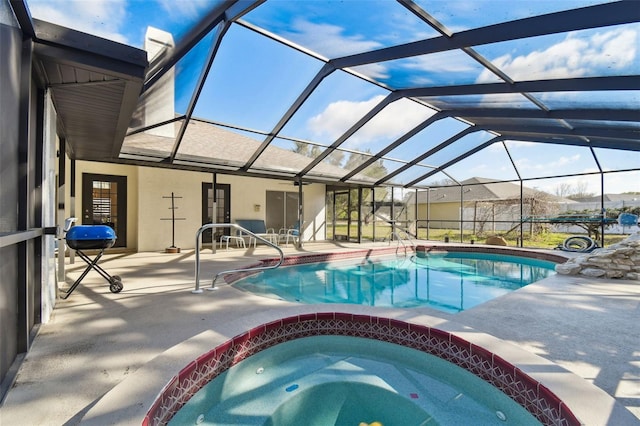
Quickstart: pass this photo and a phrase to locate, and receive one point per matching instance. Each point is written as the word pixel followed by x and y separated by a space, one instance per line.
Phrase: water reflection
pixel 449 282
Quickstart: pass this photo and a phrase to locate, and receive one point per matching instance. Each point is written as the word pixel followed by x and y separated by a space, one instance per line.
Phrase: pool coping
pixel 421 248
pixel 549 256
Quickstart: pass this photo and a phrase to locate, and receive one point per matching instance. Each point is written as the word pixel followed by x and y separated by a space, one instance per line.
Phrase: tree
pixel 335 158
pixel 306 149
pixel 301 148
pixel 574 192
pixel 375 170
pixel 443 182
pixel 537 207
pixel 563 190
pixel 580 191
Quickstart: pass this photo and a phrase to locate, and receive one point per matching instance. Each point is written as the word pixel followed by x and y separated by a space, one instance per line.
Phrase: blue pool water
pixel 339 380
pixel 450 282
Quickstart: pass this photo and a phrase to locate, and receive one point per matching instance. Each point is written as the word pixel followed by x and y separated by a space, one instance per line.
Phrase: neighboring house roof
pixel 483 189
pixel 206 143
pixel 610 197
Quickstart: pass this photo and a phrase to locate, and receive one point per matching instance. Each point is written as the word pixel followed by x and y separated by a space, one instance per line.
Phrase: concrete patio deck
pixel 99 343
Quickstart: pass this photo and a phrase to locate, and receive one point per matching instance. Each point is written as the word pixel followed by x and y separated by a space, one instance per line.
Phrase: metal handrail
pixel 230 271
pixel 401 240
pixel 395 234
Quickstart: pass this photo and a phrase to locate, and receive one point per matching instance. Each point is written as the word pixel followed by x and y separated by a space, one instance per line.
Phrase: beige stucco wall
pixel 439 213
pixel 146 207
pixel 154 227
pixel 131 173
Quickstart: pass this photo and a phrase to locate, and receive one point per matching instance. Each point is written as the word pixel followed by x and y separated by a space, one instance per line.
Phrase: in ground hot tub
pixel 268 387
pixel 346 380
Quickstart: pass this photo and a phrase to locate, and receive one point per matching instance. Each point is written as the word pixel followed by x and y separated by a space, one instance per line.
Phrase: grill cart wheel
pixel 116 285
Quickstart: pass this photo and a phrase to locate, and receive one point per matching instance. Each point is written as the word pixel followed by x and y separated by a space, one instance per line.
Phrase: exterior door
pixel 223 209
pixel 104 202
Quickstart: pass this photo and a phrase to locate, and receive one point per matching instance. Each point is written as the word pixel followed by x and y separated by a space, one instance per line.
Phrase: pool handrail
pixel 402 240
pixel 203 228
pixel 394 234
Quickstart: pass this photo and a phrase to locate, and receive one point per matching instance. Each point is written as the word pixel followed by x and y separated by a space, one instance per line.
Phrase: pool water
pixel 340 380
pixel 450 282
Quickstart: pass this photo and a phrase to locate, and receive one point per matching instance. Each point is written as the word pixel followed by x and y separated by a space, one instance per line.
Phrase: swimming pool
pixel 447 281
pixel 341 380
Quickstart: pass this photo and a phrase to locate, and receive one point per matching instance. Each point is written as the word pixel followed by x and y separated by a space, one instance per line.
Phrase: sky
pixel 270 77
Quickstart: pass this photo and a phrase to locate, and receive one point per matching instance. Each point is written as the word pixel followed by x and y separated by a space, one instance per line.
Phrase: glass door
pixel 282 210
pixel 223 209
pixel 104 202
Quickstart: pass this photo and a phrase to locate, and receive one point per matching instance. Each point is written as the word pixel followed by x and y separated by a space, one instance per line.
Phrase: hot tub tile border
pixel 481 362
pixel 531 394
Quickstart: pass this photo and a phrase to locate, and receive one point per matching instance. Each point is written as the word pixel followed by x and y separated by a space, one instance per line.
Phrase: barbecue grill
pixel 92 237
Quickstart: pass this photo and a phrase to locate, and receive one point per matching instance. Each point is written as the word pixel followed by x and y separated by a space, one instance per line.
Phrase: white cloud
pixel 443 63
pixel 572 57
pixel 482 169
pixel 495 148
pixel 180 9
pixel 103 18
pixel 328 40
pixel 339 116
pixel 562 161
pixel 558 165
pixel 449 62
pixel 616 183
pixel 395 120
pixel 375 71
pixel 521 144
